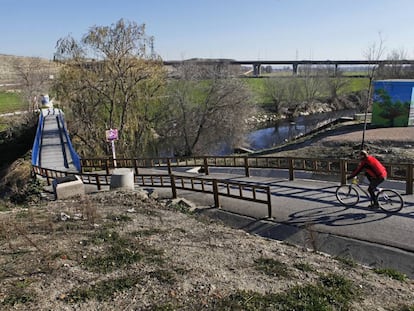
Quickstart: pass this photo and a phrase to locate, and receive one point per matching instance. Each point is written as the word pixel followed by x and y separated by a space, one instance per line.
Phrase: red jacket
pixel 372 167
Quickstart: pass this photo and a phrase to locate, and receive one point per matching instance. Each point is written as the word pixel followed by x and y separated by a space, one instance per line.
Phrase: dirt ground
pixel 59 256
pixel 396 134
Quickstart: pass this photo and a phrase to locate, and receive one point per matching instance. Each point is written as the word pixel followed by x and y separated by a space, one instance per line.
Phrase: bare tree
pixel 374 52
pixel 295 96
pixel 34 77
pixel 311 83
pixel 333 81
pixel 275 93
pixel 395 69
pixel 109 80
pixel 206 106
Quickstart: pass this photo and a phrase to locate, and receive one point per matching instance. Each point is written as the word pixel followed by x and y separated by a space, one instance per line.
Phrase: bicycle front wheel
pixel 347 195
pixel 390 201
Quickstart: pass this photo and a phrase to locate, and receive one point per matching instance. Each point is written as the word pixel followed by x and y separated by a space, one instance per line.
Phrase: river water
pixel 286 130
pixel 274 135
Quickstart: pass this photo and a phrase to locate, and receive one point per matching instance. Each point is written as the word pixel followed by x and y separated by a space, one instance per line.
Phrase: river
pixel 285 130
pixel 277 134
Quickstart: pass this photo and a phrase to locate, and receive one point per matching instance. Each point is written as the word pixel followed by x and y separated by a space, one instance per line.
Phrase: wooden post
pixel 291 172
pixel 169 166
pixel 107 166
pixel 47 177
pixel 173 188
pixel 216 194
pixel 269 203
pixel 98 182
pixel 206 166
pixel 343 169
pixel 409 181
pixel 136 166
pixel 246 166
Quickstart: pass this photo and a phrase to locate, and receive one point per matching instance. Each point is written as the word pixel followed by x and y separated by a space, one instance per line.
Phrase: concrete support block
pixel 122 178
pixel 68 186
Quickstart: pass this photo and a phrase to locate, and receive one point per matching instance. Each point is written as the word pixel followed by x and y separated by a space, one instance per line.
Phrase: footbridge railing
pixel 336 168
pixel 217 188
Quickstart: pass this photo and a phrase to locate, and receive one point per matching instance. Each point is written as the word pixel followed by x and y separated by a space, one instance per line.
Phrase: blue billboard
pixel 393 103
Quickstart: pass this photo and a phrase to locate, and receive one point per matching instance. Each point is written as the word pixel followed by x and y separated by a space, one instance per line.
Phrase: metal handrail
pixel 337 167
pixel 244 191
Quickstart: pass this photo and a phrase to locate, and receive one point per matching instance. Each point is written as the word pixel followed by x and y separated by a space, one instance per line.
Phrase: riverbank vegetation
pixel 11 102
pixel 194 109
pixel 160 111
pixel 128 90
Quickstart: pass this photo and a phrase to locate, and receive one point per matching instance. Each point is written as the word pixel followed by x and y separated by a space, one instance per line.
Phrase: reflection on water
pixel 275 135
pixel 285 130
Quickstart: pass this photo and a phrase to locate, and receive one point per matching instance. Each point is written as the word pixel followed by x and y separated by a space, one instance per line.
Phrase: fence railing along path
pixel 97 172
pixel 217 188
pixel 339 168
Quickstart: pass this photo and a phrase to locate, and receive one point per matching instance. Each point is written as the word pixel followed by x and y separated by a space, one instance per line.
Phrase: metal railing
pixel 218 188
pixel 329 167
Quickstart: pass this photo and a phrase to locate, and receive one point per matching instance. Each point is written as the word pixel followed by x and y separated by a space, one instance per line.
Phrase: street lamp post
pixel 366 113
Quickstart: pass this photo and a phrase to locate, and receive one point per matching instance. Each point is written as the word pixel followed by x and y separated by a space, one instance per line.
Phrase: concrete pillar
pixel 122 178
pixel 68 186
pixel 295 68
pixel 256 69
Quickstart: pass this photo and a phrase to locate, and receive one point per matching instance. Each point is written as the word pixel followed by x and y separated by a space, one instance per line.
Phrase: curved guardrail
pixel 37 142
pixel 75 157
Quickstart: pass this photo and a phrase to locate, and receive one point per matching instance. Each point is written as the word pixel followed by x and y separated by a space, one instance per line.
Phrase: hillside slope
pixel 124 251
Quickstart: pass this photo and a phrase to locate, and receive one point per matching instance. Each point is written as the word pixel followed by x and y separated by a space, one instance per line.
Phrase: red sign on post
pixel 111 134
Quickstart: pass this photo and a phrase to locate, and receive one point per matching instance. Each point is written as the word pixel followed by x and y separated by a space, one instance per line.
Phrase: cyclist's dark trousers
pixel 373 184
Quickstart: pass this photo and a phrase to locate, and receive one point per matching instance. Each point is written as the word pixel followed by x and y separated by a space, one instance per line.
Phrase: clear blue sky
pixel 237 29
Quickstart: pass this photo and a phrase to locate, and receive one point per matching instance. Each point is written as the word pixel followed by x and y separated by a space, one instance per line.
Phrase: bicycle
pixel 388 200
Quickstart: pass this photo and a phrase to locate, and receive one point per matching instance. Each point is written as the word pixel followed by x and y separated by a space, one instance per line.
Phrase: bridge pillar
pixel 256 69
pixel 68 186
pixel 295 68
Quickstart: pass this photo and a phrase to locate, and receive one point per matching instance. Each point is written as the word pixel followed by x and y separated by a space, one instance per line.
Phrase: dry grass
pixel 115 251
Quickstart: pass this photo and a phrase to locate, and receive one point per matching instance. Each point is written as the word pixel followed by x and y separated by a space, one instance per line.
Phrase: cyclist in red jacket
pixel 375 172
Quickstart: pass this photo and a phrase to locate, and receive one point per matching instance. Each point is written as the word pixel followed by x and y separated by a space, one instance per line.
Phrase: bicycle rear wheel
pixel 347 195
pixel 390 201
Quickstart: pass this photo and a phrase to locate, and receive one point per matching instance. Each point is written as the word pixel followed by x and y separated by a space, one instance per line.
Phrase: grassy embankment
pixel 352 85
pixel 9 102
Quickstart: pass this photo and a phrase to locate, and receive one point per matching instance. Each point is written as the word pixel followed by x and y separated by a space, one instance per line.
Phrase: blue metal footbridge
pixel 52 147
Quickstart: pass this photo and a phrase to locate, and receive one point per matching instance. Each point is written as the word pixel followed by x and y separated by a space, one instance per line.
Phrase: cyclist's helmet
pixel 363 153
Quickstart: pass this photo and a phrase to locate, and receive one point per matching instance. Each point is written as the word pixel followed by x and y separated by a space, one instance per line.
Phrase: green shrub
pixel 103 290
pixel 272 267
pixel 332 292
pixel 396 275
pixel 11 102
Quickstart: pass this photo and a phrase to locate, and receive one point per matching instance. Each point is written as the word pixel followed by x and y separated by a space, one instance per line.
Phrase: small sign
pixel 111 134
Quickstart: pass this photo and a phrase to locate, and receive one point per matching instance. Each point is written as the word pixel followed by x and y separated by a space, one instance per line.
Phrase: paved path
pixel 367 235
pixel 306 202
